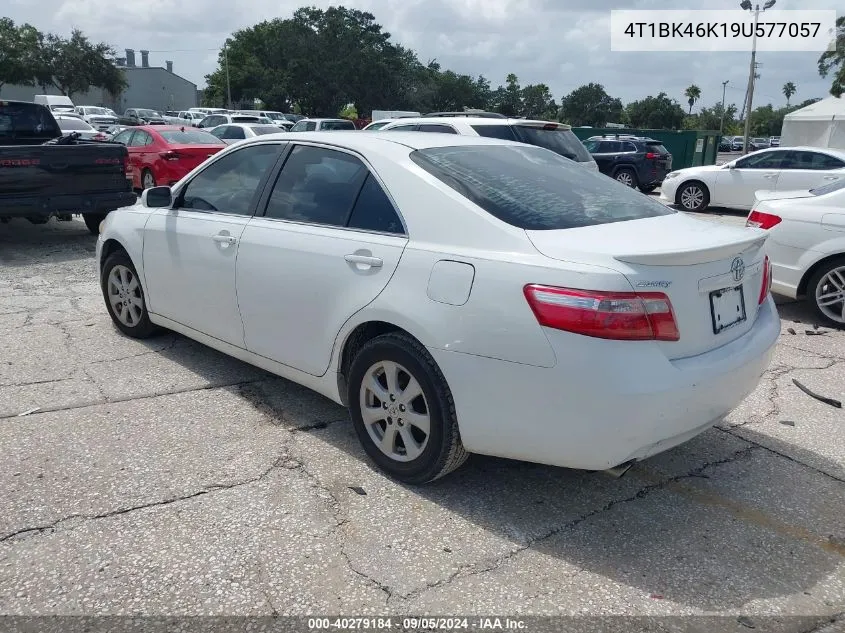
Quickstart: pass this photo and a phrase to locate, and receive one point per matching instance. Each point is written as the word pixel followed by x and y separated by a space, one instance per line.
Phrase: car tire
pixel 693 196
pixel 626 176
pixel 124 296
pixel 148 180
pixel 380 425
pixel 647 188
pixel 92 221
pixel 820 285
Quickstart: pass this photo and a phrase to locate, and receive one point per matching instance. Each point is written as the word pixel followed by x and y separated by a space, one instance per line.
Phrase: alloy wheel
pixel 692 197
pixel 395 411
pixel 830 295
pixel 625 178
pixel 124 294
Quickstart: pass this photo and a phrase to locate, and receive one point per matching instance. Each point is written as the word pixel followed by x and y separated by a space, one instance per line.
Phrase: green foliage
pixel 658 112
pixel 693 94
pixel 591 105
pixel 789 89
pixel 348 112
pixel 834 61
pixel 710 118
pixel 73 65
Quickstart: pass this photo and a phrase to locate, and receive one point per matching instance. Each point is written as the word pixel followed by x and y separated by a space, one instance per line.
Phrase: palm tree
pixel 789 89
pixel 693 94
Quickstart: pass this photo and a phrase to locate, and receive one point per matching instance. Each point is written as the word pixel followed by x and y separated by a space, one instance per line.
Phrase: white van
pixel 56 103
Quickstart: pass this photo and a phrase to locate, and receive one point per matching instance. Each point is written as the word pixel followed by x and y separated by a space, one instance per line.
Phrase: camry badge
pixel 737 269
pixel 653 284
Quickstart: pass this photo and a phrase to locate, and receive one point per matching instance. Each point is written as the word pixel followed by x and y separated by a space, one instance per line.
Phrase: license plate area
pixel 727 308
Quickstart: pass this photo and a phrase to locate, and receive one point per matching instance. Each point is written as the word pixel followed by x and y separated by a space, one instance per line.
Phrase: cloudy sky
pixel 563 43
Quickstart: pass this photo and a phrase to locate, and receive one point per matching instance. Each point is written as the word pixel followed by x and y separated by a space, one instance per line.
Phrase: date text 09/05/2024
pixel 415 623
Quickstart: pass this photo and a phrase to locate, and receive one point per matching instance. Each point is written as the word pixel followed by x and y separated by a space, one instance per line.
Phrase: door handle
pixel 769 176
pixel 366 260
pixel 225 239
pixel 831 178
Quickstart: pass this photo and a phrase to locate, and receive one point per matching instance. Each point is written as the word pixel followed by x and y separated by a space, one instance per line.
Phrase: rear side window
pixel 337 125
pixel 266 129
pixel 503 132
pixel 26 120
pixel 533 189
pixel 435 127
pixel 373 211
pixel 563 142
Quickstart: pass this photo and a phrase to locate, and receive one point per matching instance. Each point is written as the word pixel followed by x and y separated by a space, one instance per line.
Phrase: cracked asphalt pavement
pixel 163 478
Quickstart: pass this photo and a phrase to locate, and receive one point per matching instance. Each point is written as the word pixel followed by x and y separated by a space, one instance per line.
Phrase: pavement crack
pixel 71 521
pixel 819 627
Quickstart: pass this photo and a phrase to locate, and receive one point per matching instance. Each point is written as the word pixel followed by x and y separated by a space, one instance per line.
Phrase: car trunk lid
pixel 711 273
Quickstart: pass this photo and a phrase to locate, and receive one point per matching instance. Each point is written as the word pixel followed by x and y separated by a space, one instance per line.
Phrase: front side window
pixel 534 189
pixel 337 125
pixel 402 128
pixel 766 160
pixel 436 127
pixel 230 184
pixel 560 141
pixel 317 185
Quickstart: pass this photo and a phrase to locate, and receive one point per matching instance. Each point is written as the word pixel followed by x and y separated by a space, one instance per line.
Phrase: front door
pixel 190 250
pixel 326 246
pixel 736 187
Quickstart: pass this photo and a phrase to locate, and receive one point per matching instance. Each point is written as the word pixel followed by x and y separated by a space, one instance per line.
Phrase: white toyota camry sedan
pixel 458 294
pixel 734 184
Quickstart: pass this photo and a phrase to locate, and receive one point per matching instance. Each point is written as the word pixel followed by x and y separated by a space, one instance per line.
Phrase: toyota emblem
pixel 737 269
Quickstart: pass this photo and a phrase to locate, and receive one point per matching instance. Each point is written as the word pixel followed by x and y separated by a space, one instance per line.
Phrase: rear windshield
pixel 190 137
pixel 266 129
pixel 657 148
pixel 338 125
pixel 829 188
pixel 148 113
pixel 245 119
pixel 74 124
pixel 26 120
pixel 97 111
pixel 563 142
pixel 377 126
pixel 533 189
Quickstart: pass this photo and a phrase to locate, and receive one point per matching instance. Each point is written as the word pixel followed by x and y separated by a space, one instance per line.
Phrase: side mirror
pixel 157 197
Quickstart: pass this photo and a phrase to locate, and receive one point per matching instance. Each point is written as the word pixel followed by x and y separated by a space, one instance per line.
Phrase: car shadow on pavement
pixel 23 243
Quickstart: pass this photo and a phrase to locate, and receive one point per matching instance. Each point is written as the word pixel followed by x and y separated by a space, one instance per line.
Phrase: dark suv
pixel 635 161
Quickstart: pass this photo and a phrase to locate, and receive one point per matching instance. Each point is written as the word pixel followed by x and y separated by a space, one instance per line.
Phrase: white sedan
pixel 459 294
pixel 233 132
pixel 807 245
pixel 734 184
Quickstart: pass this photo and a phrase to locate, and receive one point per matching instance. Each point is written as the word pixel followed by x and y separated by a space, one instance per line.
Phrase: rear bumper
pixel 81 203
pixel 605 402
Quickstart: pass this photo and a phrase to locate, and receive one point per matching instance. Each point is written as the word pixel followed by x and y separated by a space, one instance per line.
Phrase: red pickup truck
pixel 44 174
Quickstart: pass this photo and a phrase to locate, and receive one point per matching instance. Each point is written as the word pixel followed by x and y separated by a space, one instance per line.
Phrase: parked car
pixel 725 143
pixel 55 103
pixel 213 120
pixel 207 111
pixel 142 116
pixel 424 279
pixel 190 117
pixel 75 125
pixel 554 136
pixel 636 161
pixel 806 245
pixel 377 125
pixel 758 143
pixel 276 118
pixel 234 132
pixel 733 185
pixel 164 154
pixel 774 141
pixel 322 125
pixel 738 144
pixel 97 117
pixel 44 174
pixel 293 118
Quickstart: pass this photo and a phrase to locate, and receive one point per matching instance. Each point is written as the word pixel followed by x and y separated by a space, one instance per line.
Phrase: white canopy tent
pixel 820 124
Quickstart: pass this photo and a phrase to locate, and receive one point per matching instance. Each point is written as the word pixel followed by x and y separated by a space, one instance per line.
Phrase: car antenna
pixel 182 129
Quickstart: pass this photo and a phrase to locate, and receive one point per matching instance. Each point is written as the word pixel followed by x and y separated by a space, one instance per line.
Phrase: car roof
pixel 321 119
pixel 838 153
pixel 478 120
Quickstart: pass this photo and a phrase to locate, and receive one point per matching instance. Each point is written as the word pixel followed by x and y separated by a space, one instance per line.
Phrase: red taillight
pixel 170 155
pixel 652 156
pixel 550 126
pixel 766 286
pixel 761 220
pixel 100 137
pixel 627 316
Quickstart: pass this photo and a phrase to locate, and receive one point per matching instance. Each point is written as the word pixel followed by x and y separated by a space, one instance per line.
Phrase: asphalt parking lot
pixel 162 477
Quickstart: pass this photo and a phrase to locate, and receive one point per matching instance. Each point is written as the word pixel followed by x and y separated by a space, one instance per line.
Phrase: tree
pixel 789 89
pixel 693 94
pixel 538 102
pixel 658 112
pixel 507 99
pixel 19 52
pixel 75 65
pixel 711 118
pixel 590 105
pixel 835 60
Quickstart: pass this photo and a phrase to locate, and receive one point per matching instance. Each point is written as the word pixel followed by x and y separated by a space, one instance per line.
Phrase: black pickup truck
pixel 44 174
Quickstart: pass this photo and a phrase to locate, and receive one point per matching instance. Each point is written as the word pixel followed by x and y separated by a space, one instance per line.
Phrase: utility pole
pixel 752 73
pixel 228 83
pixel 722 122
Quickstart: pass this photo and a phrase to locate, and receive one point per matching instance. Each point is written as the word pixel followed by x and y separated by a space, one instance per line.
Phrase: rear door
pixel 806 169
pixel 325 246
